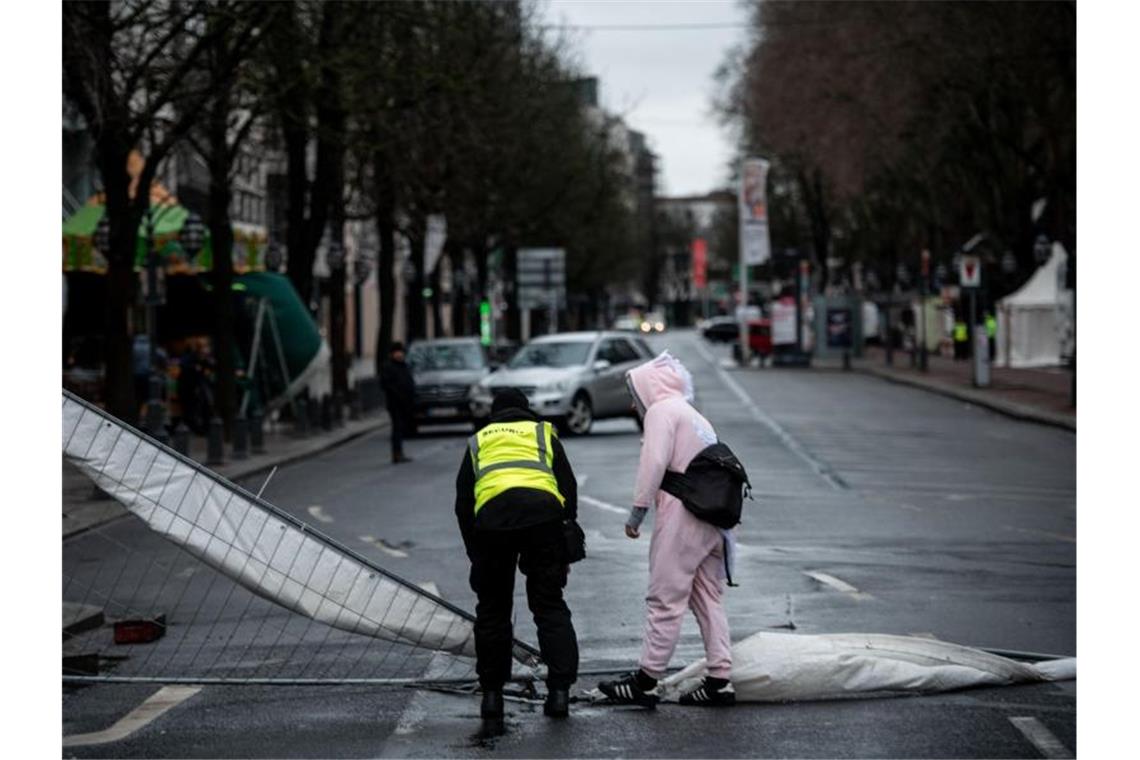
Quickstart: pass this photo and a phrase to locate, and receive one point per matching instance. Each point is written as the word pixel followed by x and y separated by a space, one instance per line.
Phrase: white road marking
pixel 318 514
pixel 924 635
pixel 838 585
pixel 762 417
pixel 383 546
pixel 911 507
pixel 1047 534
pixel 164 699
pixel 582 481
pixel 603 505
pixel 1041 738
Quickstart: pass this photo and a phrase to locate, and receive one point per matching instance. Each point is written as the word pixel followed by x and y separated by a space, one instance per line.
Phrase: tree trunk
pixel 414 301
pixel 222 276
pixel 385 280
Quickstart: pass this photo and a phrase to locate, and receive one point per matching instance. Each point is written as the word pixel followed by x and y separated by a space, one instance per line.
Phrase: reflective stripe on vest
pixel 509 455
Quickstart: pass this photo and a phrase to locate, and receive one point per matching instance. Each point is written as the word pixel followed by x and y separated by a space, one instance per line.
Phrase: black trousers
pixel 539 552
pixel 401 427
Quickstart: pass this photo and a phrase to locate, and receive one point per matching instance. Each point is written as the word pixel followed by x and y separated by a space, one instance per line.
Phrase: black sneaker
pixel 709 695
pixel 626 692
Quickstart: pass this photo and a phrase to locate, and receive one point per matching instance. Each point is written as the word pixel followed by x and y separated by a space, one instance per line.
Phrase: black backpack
pixel 712 487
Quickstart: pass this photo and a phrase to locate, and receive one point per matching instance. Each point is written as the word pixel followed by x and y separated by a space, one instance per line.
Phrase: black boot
pixel 557 703
pixel 492 713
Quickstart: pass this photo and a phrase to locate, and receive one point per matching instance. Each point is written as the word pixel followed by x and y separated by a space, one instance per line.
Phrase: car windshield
pixel 552 354
pixel 429 357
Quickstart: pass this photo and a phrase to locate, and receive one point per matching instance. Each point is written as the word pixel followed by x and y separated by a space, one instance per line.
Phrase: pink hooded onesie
pixel 686 555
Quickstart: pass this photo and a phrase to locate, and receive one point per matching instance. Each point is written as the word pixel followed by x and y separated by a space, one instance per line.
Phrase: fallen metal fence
pixel 203 582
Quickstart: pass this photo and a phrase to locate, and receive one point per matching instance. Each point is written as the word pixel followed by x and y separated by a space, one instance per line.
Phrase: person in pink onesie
pixel 686 555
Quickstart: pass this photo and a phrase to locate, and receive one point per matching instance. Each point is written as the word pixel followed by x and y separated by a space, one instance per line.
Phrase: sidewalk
pixel 1039 395
pixel 84 509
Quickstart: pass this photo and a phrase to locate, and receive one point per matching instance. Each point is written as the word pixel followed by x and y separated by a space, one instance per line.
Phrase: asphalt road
pixel 950 521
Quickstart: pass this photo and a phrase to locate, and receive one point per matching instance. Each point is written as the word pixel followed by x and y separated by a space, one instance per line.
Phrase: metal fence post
pixel 301 422
pixel 181 441
pixel 241 438
pixel 215 445
pixel 257 432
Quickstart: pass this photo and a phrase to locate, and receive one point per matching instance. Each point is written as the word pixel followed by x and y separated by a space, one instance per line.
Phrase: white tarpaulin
pixel 250 541
pixel 1034 322
pixel 778 667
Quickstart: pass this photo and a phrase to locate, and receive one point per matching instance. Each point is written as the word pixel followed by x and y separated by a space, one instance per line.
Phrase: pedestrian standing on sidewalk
pixel 991 334
pixel 399 396
pixel 515 496
pixel 686 555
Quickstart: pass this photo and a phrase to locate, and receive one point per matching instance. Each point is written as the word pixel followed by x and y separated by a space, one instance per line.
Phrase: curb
pixel 979 398
pixel 265 462
pixel 235 471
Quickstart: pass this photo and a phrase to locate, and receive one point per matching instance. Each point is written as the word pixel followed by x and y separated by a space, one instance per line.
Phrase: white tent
pixel 1035 323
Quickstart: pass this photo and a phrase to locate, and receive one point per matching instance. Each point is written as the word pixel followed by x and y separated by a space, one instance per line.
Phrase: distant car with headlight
pixel 571 379
pixel 653 322
pixel 445 370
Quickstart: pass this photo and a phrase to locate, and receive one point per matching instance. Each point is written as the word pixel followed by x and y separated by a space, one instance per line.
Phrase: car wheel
pixel 580 418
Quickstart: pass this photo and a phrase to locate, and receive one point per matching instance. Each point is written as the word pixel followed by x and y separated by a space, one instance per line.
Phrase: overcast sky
pixel 660 80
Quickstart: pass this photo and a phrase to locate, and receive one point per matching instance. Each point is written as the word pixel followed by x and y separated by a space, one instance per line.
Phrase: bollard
pixel 215 445
pixel 241 438
pixel 314 415
pixel 338 409
pixel 301 422
pixel 355 405
pixel 847 360
pixel 256 432
pixel 181 441
pixel 326 412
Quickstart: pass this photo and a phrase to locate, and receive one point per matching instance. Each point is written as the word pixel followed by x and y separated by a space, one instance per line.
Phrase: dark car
pixel 444 371
pixel 721 330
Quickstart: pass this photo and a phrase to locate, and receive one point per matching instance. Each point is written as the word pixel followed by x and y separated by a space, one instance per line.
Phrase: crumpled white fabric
pixel 781 667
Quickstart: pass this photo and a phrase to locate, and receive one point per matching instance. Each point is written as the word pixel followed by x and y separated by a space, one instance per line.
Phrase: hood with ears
pixel 658 379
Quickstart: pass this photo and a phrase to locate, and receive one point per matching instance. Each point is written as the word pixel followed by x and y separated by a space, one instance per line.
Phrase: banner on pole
pixel 700 263
pixel 753 200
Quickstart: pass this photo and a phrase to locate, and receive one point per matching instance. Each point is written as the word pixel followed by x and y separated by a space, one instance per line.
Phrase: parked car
pixel 627 324
pixel 571 379
pixel 445 370
pixel 721 330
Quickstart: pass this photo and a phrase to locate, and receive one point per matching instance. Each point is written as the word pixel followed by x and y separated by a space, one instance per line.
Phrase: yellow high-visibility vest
pixel 508 455
pixel 960 335
pixel 991 326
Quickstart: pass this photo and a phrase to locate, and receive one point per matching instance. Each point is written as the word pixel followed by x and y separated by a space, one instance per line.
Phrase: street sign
pixel 970 272
pixel 541 278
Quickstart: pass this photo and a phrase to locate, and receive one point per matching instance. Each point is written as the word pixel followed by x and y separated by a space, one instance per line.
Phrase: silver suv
pixel 569 378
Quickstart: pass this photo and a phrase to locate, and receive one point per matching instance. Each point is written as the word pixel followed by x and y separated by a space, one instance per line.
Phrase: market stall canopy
pixel 168 218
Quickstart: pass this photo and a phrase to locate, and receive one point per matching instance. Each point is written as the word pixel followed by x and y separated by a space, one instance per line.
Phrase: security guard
pixel 961 340
pixel 991 334
pixel 514 490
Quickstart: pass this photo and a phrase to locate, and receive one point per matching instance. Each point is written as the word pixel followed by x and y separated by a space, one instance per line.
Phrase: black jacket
pixel 398 384
pixel 516 507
